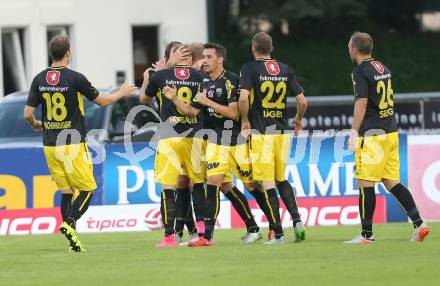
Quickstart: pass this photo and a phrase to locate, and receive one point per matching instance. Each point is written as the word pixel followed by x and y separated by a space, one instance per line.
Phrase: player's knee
pixel 281 183
pixel 390 184
pixel 215 180
pixel 251 186
pixel 168 187
pixel 183 182
pixel 226 187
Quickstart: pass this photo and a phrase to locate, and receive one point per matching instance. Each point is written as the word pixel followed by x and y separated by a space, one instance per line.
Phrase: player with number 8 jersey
pixel 179 151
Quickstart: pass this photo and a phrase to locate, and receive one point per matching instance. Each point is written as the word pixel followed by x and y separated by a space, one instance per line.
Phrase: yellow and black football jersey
pixel 222 90
pixel 187 81
pixel 269 83
pixel 372 80
pixel 60 91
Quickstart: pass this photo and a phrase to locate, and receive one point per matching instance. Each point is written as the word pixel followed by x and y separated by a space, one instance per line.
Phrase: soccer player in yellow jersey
pixel 60 91
pixel 375 140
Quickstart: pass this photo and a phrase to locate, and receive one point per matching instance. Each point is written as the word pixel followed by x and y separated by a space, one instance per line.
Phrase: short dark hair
pixel 171 46
pixel 58 47
pixel 197 51
pixel 262 43
pixel 220 51
pixel 362 42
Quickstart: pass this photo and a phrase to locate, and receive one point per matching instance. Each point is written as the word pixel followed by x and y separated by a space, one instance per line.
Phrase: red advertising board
pixel 319 211
pixel 29 221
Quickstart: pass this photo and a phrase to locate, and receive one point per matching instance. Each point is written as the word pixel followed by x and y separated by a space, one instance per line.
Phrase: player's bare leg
pixel 406 201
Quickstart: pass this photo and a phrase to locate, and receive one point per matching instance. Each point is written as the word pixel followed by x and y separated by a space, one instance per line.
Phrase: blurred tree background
pixel 312 36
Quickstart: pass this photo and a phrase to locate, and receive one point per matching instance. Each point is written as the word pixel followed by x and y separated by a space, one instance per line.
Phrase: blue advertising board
pixel 318 166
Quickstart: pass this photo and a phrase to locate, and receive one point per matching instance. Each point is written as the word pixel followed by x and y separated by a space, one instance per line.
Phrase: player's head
pixel 360 46
pixel 59 49
pixel 171 47
pixel 214 57
pixel 262 44
pixel 197 55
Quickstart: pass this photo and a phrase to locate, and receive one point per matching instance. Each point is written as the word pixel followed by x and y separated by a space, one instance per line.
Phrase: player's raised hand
pixel 127 89
pixel 178 55
pixel 159 65
pixel 297 125
pixel 170 92
pixel 201 97
pixel 147 74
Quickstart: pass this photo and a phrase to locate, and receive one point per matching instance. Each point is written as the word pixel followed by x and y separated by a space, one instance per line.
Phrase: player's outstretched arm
pixel 360 107
pixel 171 94
pixel 230 111
pixel 301 107
pixel 125 90
pixel 29 116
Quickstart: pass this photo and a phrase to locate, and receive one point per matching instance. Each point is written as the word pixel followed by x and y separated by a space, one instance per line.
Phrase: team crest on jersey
pixel 53 77
pixel 181 73
pixel 272 67
pixel 378 66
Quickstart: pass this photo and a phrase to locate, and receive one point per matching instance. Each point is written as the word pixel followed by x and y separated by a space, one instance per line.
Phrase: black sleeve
pixel 153 85
pixel 33 99
pixel 196 105
pixel 83 85
pixel 232 89
pixel 360 84
pixel 246 80
pixel 294 87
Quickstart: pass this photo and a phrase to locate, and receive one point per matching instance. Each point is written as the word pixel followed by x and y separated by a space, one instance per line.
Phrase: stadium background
pixel 309 35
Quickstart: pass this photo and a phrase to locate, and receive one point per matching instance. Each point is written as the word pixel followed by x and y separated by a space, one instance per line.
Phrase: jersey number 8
pixel 185 95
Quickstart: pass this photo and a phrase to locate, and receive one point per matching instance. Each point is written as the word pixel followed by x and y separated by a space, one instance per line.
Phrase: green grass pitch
pixel 133 259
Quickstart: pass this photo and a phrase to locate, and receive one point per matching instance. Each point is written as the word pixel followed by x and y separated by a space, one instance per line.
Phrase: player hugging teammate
pixel 215 124
pixel 201 110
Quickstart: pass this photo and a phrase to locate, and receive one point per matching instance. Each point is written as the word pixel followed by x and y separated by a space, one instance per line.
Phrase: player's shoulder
pixel 371 69
pixel 41 76
pixel 361 69
pixel 249 68
pixel 197 73
pixel 230 75
pixel 250 64
pixel 73 75
pixel 284 67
